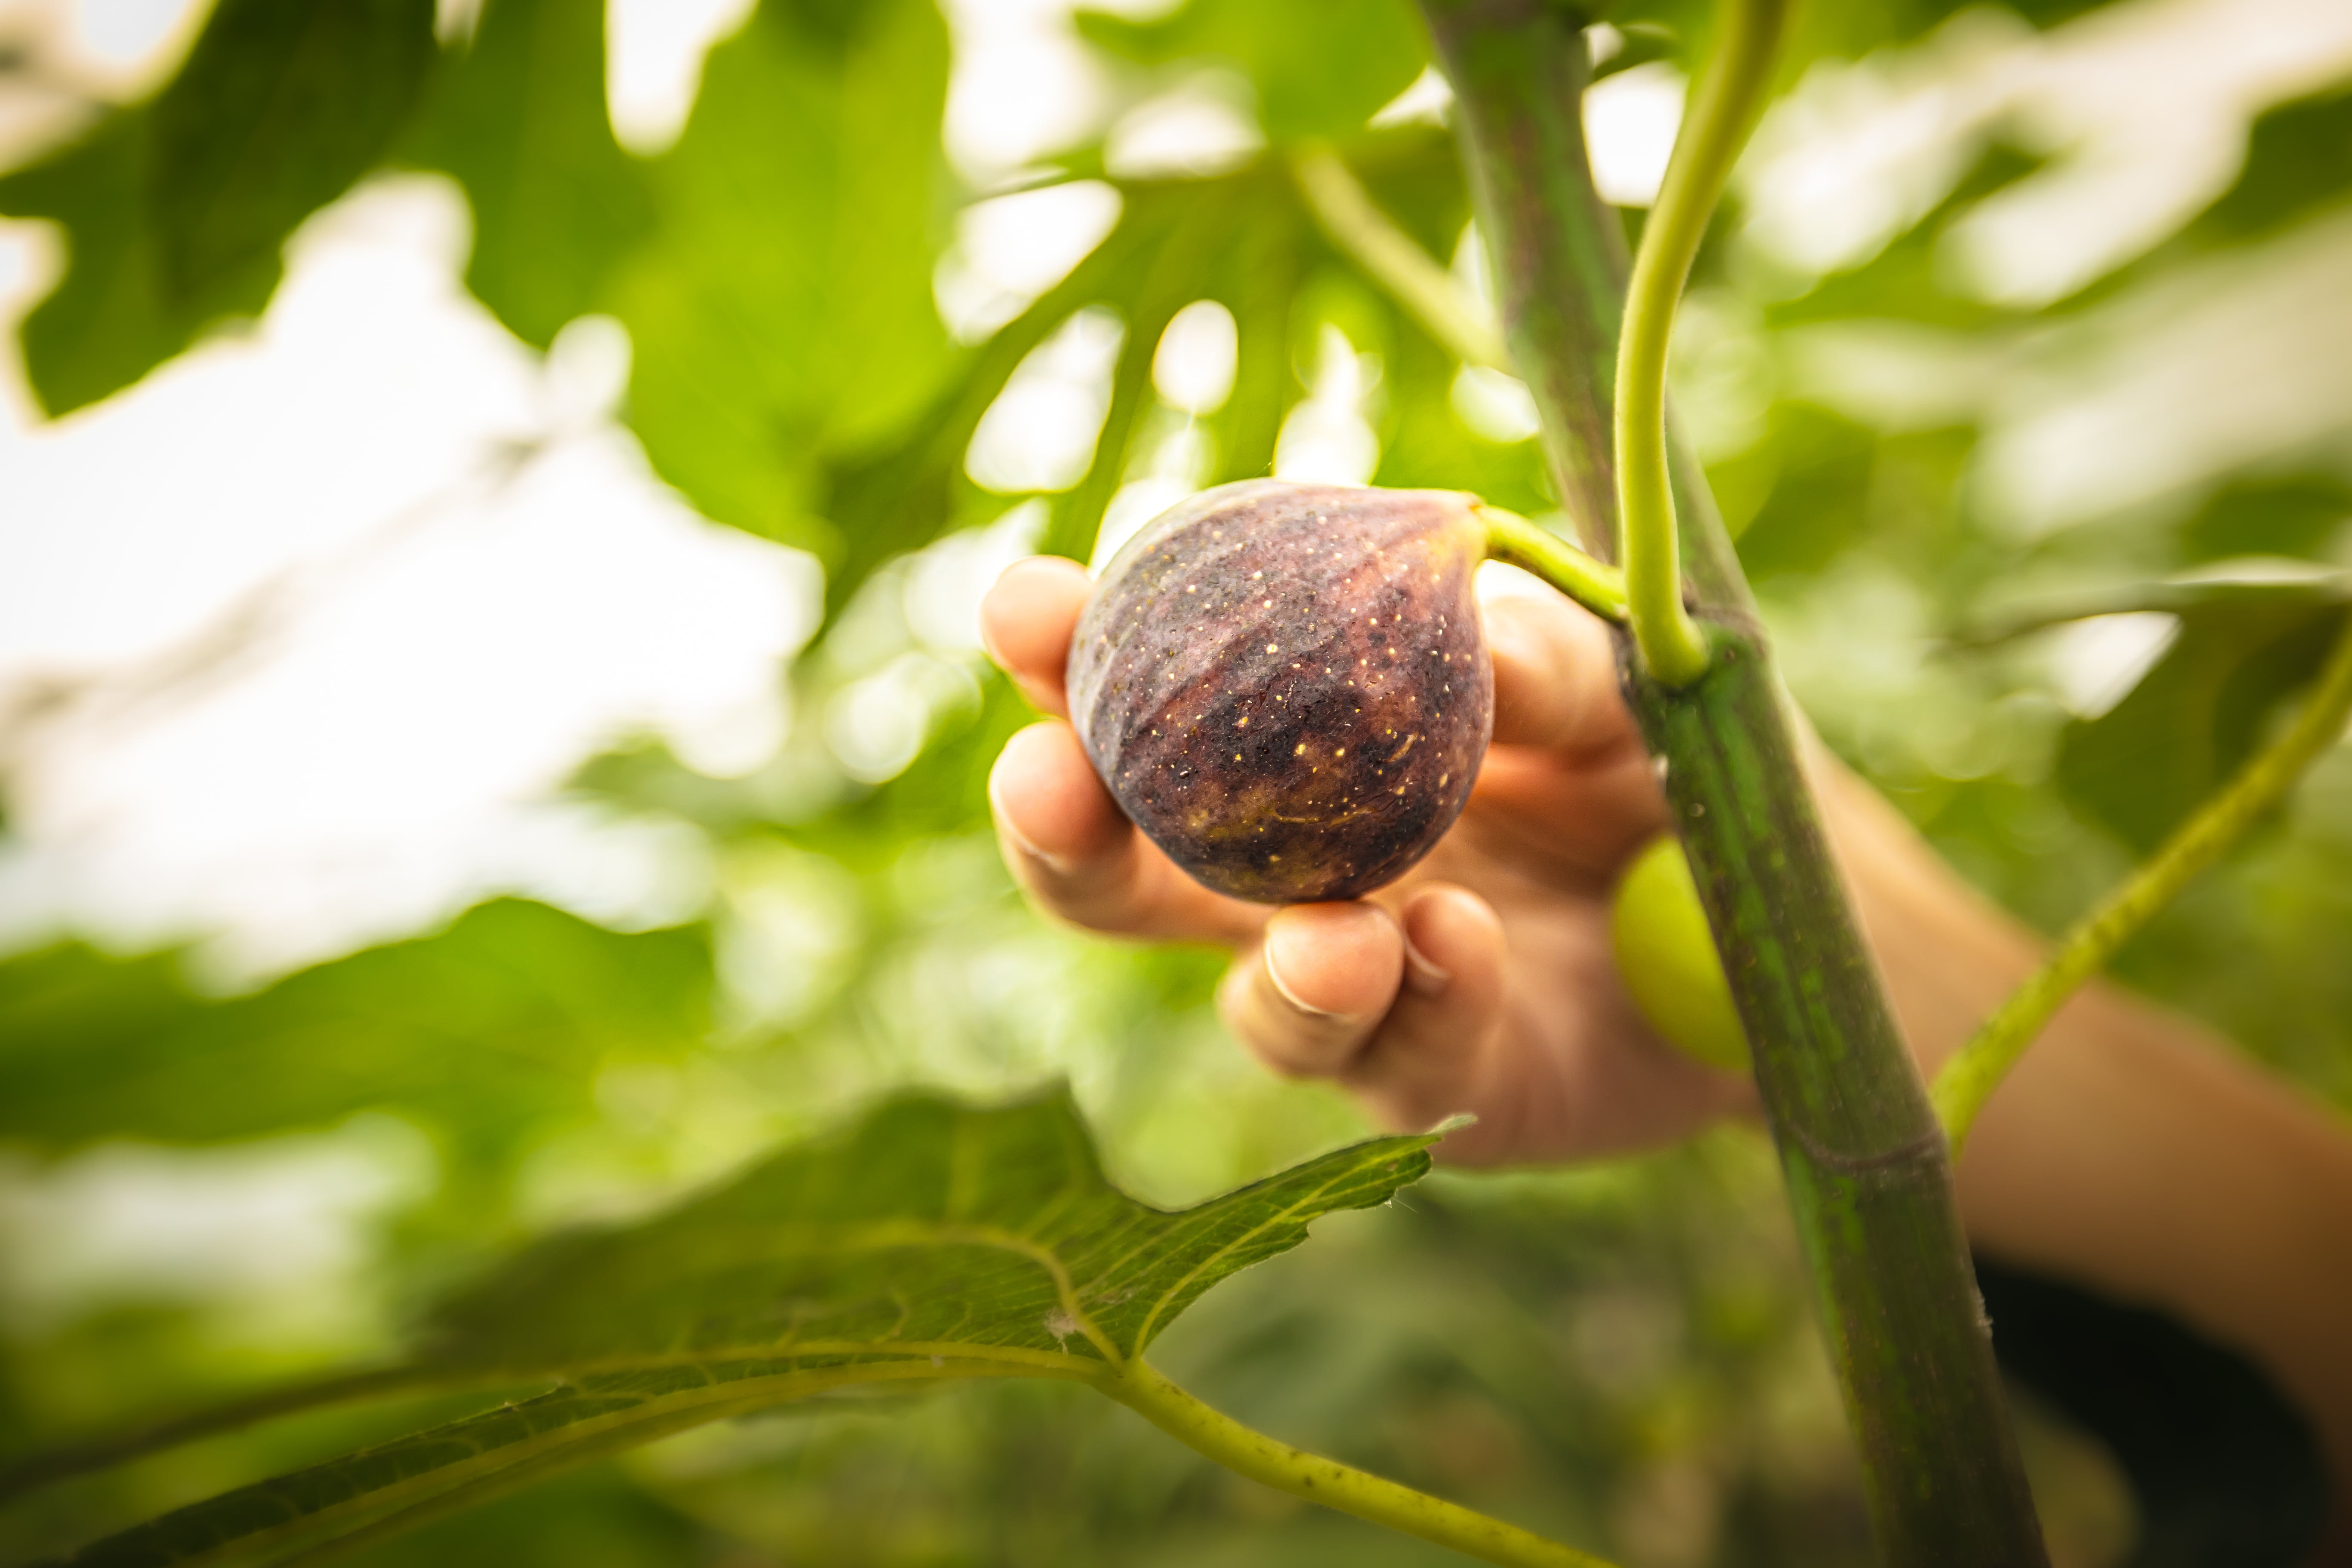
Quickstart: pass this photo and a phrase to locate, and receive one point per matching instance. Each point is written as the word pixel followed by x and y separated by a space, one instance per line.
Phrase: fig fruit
pixel 1285 685
pixel 1668 958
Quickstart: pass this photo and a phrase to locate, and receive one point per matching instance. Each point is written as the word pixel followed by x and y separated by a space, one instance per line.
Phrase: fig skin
pixel 1286 686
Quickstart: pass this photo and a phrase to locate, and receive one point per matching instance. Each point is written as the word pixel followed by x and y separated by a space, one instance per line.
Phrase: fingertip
pixel 1555 667
pixel 1308 996
pixel 1452 936
pixel 1048 800
pixel 1334 960
pixel 1026 619
pixel 1430 1056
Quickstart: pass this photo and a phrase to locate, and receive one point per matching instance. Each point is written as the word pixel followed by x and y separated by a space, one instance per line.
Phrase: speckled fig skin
pixel 1285 685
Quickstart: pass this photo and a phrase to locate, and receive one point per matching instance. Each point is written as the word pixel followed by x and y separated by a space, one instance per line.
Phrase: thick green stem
pixel 1863 1157
pixel 1723 110
pixel 1590 581
pixel 1333 1484
pixel 1868 1183
pixel 1967 1080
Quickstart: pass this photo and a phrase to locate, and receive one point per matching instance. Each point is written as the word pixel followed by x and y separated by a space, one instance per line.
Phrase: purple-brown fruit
pixel 1285 685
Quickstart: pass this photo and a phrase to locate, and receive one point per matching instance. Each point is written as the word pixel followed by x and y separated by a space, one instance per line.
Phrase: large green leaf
pixel 174 211
pixel 931 1241
pixel 1234 238
pixel 281 107
pixel 107 322
pixel 2203 707
pixel 1321 67
pixel 486 1032
pixel 900 496
pixel 520 121
pixel 1245 239
pixel 783 310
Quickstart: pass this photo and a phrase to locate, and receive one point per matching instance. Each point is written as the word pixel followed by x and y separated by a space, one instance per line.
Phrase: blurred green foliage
pixel 529 1001
pixel 2201 711
pixel 1621 1355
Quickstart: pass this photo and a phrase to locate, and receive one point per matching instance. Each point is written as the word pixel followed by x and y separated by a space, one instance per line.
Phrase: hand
pixel 1483 981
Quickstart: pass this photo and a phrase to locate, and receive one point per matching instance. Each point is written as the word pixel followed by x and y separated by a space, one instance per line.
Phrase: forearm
pixel 2131 1150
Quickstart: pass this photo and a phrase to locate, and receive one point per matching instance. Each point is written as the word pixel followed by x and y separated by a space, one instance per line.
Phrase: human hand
pixel 1483 981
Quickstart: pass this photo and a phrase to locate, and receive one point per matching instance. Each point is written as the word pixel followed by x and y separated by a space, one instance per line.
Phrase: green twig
pixel 1967 1080
pixel 1333 1484
pixel 1723 110
pixel 1389 256
pixel 1595 583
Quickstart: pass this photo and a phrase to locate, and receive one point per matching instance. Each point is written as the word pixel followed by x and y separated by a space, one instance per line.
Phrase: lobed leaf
pixel 2203 707
pixel 1319 68
pixel 782 311
pixel 931 1241
pixel 282 104
pixel 174 211
pixel 520 121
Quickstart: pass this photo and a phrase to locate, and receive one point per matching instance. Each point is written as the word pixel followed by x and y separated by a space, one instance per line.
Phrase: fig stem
pixel 1724 109
pixel 1390 258
pixel 1590 581
pixel 1968 1079
pixel 1200 1427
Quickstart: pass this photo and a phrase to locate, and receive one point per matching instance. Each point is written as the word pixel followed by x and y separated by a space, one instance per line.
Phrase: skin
pixel 2131 1151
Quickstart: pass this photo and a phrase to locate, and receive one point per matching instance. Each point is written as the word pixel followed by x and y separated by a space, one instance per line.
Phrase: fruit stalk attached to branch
pixel 1723 110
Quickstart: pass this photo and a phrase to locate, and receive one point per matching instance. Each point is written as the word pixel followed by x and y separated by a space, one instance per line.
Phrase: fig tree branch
pixel 1868 1182
pixel 1968 1079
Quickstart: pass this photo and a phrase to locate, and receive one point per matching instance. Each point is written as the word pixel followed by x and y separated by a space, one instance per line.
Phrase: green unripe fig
pixel 1667 957
pixel 1286 686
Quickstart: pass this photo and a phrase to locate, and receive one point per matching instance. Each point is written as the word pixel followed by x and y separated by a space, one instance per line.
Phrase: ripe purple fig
pixel 1285 685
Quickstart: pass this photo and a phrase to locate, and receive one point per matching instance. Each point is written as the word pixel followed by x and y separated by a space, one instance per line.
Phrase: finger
pixel 1079 858
pixel 1561 820
pixel 1307 998
pixel 1555 670
pixel 1429 1058
pixel 1566 789
pixel 1574 1071
pixel 1025 622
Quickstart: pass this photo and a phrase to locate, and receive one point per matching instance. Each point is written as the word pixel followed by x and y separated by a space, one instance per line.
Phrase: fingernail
pixel 1057 864
pixel 1425 978
pixel 1060 864
pixel 1274 972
